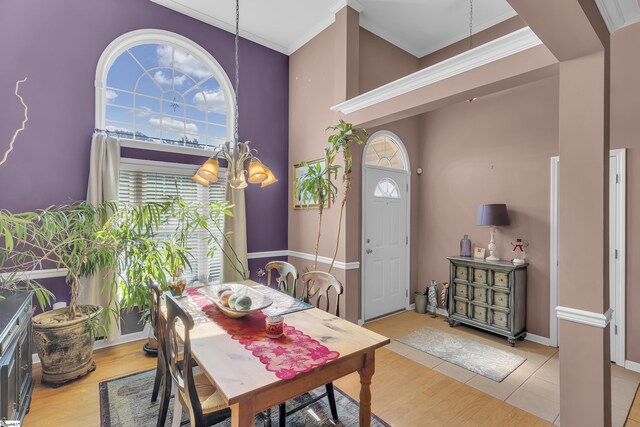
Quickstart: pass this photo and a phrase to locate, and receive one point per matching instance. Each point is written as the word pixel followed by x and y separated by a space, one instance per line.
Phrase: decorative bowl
pixel 258 300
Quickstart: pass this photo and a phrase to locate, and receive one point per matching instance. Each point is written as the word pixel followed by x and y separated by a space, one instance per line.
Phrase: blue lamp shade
pixel 493 215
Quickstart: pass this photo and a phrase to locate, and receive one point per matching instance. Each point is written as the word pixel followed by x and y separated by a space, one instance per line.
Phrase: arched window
pixel 384 150
pixel 156 86
pixel 387 188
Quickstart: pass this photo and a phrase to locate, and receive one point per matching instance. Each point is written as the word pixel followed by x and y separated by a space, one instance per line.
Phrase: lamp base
pixel 492 258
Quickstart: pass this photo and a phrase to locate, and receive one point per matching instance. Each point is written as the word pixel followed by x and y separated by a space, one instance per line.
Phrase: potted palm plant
pixel 84 240
pixel 118 242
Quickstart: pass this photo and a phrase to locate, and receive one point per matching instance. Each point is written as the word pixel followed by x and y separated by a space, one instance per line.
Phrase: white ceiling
pixel 417 26
pixel 424 26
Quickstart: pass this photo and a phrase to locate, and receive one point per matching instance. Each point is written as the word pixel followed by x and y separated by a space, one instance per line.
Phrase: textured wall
pixel 625 131
pixel 493 150
pixel 57 46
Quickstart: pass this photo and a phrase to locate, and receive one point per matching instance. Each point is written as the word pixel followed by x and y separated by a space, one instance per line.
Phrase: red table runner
pixel 292 354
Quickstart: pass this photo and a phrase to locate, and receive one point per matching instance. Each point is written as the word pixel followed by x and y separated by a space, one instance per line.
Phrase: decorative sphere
pixel 243 302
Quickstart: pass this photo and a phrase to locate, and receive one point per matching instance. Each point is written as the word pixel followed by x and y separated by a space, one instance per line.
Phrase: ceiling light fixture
pixel 236 153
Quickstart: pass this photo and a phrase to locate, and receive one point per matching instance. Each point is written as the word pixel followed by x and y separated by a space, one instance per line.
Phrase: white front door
pixel 385 245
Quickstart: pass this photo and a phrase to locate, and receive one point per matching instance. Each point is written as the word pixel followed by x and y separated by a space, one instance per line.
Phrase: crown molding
pixel 340 4
pixel 619 13
pixel 309 35
pixel 492 51
pixel 589 318
pixel 208 19
pixel 461 36
pixel 419 51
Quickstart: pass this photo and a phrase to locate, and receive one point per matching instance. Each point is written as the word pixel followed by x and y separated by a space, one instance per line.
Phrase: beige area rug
pixel 472 355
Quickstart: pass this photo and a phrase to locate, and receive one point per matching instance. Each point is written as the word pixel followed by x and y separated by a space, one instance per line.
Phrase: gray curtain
pixel 104 173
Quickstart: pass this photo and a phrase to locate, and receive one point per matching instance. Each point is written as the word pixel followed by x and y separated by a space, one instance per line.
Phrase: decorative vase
pixel 465 246
pixel 178 285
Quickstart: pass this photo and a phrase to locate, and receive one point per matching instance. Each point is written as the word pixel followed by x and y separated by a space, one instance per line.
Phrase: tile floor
pixel 532 387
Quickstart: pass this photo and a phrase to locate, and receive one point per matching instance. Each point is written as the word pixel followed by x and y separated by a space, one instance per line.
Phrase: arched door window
pixel 161 87
pixel 384 150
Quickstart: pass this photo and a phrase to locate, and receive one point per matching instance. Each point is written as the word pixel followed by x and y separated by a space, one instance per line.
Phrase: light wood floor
pixel 405 393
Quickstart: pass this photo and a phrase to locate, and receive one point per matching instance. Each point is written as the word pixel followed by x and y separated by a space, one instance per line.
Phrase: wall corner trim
pixel 589 318
pixel 268 254
pixel 47 273
pixel 619 13
pixel 341 265
pixel 326 260
pixel 510 44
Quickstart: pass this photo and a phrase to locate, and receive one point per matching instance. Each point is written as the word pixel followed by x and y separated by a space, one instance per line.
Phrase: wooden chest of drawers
pixel 489 295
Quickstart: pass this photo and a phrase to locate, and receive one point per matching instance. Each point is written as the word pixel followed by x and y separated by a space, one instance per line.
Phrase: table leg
pixel 366 373
pixel 243 413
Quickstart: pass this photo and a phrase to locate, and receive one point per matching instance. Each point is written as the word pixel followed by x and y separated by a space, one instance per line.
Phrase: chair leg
pixel 164 401
pixel 332 401
pixel 156 381
pixel 282 409
pixel 177 411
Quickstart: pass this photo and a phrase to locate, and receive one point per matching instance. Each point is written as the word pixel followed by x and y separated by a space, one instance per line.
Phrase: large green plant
pixel 314 187
pixel 340 145
pixel 121 242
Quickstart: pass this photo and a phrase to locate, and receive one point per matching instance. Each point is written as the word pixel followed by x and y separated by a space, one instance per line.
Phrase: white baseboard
pixel 136 336
pixel 411 307
pixel 632 366
pixel 538 339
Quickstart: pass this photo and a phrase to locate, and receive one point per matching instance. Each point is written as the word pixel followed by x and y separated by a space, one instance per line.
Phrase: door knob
pixel 369 251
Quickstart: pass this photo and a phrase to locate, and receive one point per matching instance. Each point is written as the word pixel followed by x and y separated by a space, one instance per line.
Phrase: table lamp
pixel 493 215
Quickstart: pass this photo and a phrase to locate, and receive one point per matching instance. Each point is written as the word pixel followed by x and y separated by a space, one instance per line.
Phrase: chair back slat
pixel 158 330
pixel 181 366
pixel 287 276
pixel 325 291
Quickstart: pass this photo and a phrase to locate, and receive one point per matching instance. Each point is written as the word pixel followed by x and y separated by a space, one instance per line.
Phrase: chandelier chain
pixel 470 23
pixel 237 139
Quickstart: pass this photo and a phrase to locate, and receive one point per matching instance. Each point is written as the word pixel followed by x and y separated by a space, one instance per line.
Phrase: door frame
pixel 619 314
pixel 363 219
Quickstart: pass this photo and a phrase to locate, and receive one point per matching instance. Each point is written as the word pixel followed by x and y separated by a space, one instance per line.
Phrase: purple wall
pixel 56 44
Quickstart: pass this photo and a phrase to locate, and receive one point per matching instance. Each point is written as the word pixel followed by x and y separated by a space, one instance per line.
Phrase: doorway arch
pixel 386 202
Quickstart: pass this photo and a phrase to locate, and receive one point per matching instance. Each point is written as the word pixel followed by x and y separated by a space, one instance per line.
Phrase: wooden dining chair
pixel 287 276
pixel 325 295
pixel 196 393
pixel 156 295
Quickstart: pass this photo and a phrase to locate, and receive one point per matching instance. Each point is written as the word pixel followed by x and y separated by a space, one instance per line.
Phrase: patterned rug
pixel 126 402
pixel 482 359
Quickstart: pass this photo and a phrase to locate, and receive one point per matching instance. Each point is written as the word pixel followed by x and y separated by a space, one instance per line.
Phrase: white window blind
pixel 144 181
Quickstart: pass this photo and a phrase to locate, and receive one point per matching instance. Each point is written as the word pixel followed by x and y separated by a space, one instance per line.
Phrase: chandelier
pixel 237 154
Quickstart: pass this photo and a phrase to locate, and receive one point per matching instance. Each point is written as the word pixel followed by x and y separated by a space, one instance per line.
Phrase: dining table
pixel 249 388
